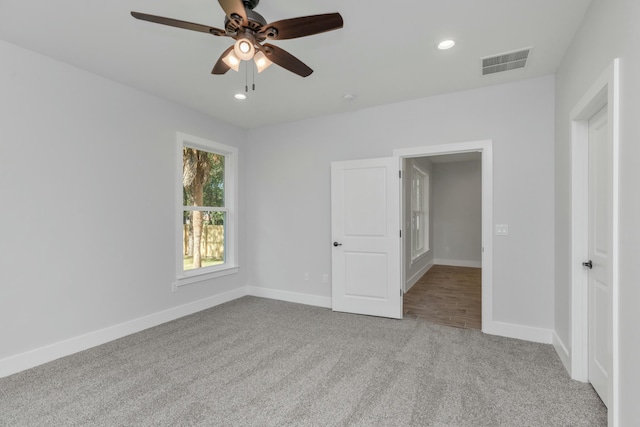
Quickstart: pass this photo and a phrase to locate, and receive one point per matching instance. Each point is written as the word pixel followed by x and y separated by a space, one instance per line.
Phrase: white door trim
pixel 485 147
pixel 604 92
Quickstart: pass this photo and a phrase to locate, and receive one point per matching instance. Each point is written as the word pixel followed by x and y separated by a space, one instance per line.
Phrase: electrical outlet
pixel 306 276
pixel 502 230
pixel 325 278
pixel 174 287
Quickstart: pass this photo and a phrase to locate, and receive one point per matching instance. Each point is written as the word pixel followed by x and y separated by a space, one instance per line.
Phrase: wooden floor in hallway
pixel 447 295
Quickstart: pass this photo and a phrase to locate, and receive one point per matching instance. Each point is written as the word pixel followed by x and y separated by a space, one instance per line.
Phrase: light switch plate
pixel 502 230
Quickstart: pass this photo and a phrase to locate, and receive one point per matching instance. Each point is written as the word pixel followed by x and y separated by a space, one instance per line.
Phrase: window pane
pixel 203 238
pixel 419 207
pixel 202 178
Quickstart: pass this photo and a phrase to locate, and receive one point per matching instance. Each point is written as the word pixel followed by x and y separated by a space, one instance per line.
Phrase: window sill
pixel 419 257
pixel 205 275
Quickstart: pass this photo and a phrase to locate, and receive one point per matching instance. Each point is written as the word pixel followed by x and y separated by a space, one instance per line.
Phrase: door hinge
pixel 400 174
pixel 401 234
pixel 400 292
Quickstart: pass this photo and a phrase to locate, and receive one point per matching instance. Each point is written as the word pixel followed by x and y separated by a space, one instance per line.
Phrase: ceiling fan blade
pixel 177 23
pixel 234 7
pixel 286 60
pixel 302 26
pixel 221 67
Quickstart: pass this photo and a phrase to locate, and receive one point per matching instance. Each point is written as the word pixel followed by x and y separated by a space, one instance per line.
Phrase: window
pixel 206 225
pixel 419 212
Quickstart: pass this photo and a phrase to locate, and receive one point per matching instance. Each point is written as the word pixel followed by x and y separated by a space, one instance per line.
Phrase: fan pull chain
pixel 253 74
pixel 246 78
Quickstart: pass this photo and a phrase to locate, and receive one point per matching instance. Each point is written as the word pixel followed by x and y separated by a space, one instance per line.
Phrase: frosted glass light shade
pixel 262 62
pixel 232 61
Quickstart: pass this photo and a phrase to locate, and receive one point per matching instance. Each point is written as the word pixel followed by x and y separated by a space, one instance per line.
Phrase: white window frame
pixel 230 266
pixel 419 173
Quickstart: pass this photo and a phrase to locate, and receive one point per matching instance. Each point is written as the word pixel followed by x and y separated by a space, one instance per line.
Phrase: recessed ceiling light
pixel 349 97
pixel 446 44
pixel 240 96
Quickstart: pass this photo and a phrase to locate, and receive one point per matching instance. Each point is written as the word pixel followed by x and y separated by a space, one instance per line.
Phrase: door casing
pixel 603 93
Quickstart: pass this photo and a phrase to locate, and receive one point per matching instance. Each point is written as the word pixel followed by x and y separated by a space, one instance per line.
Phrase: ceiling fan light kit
pixel 250 30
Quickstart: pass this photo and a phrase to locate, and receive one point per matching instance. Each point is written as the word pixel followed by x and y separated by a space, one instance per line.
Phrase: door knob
pixel 336 244
pixel 588 264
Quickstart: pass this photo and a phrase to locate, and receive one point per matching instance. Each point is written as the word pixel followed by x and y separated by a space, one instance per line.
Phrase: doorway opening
pixel 443 223
pixel 475 150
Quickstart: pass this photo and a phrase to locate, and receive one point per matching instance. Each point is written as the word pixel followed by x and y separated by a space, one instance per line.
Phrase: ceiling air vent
pixel 505 61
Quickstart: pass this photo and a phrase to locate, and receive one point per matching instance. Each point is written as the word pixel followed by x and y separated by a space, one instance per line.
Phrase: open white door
pixel 365 228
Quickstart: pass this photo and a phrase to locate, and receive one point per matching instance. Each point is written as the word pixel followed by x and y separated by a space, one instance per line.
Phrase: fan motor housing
pixel 255 22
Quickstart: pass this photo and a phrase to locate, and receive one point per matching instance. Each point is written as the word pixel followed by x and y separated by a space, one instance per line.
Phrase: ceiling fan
pixel 251 30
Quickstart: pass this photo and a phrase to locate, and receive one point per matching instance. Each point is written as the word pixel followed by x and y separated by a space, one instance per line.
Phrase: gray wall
pixel 289 205
pixel 457 213
pixel 87 173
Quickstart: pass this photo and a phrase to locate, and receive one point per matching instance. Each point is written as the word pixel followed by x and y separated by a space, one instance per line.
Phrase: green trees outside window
pixel 204 213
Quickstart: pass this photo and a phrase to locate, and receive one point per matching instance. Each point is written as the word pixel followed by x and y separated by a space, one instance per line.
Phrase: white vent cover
pixel 505 61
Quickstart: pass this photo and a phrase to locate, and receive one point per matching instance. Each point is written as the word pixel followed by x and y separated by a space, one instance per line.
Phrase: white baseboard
pixel 457 263
pixel 562 351
pixel 414 279
pixel 296 297
pixel 511 330
pixel 38 356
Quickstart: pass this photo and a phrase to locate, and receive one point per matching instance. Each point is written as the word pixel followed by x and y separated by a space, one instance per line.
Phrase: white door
pixel 600 248
pixel 365 229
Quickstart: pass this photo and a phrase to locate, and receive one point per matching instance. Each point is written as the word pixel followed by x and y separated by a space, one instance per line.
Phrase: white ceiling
pixel 384 54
